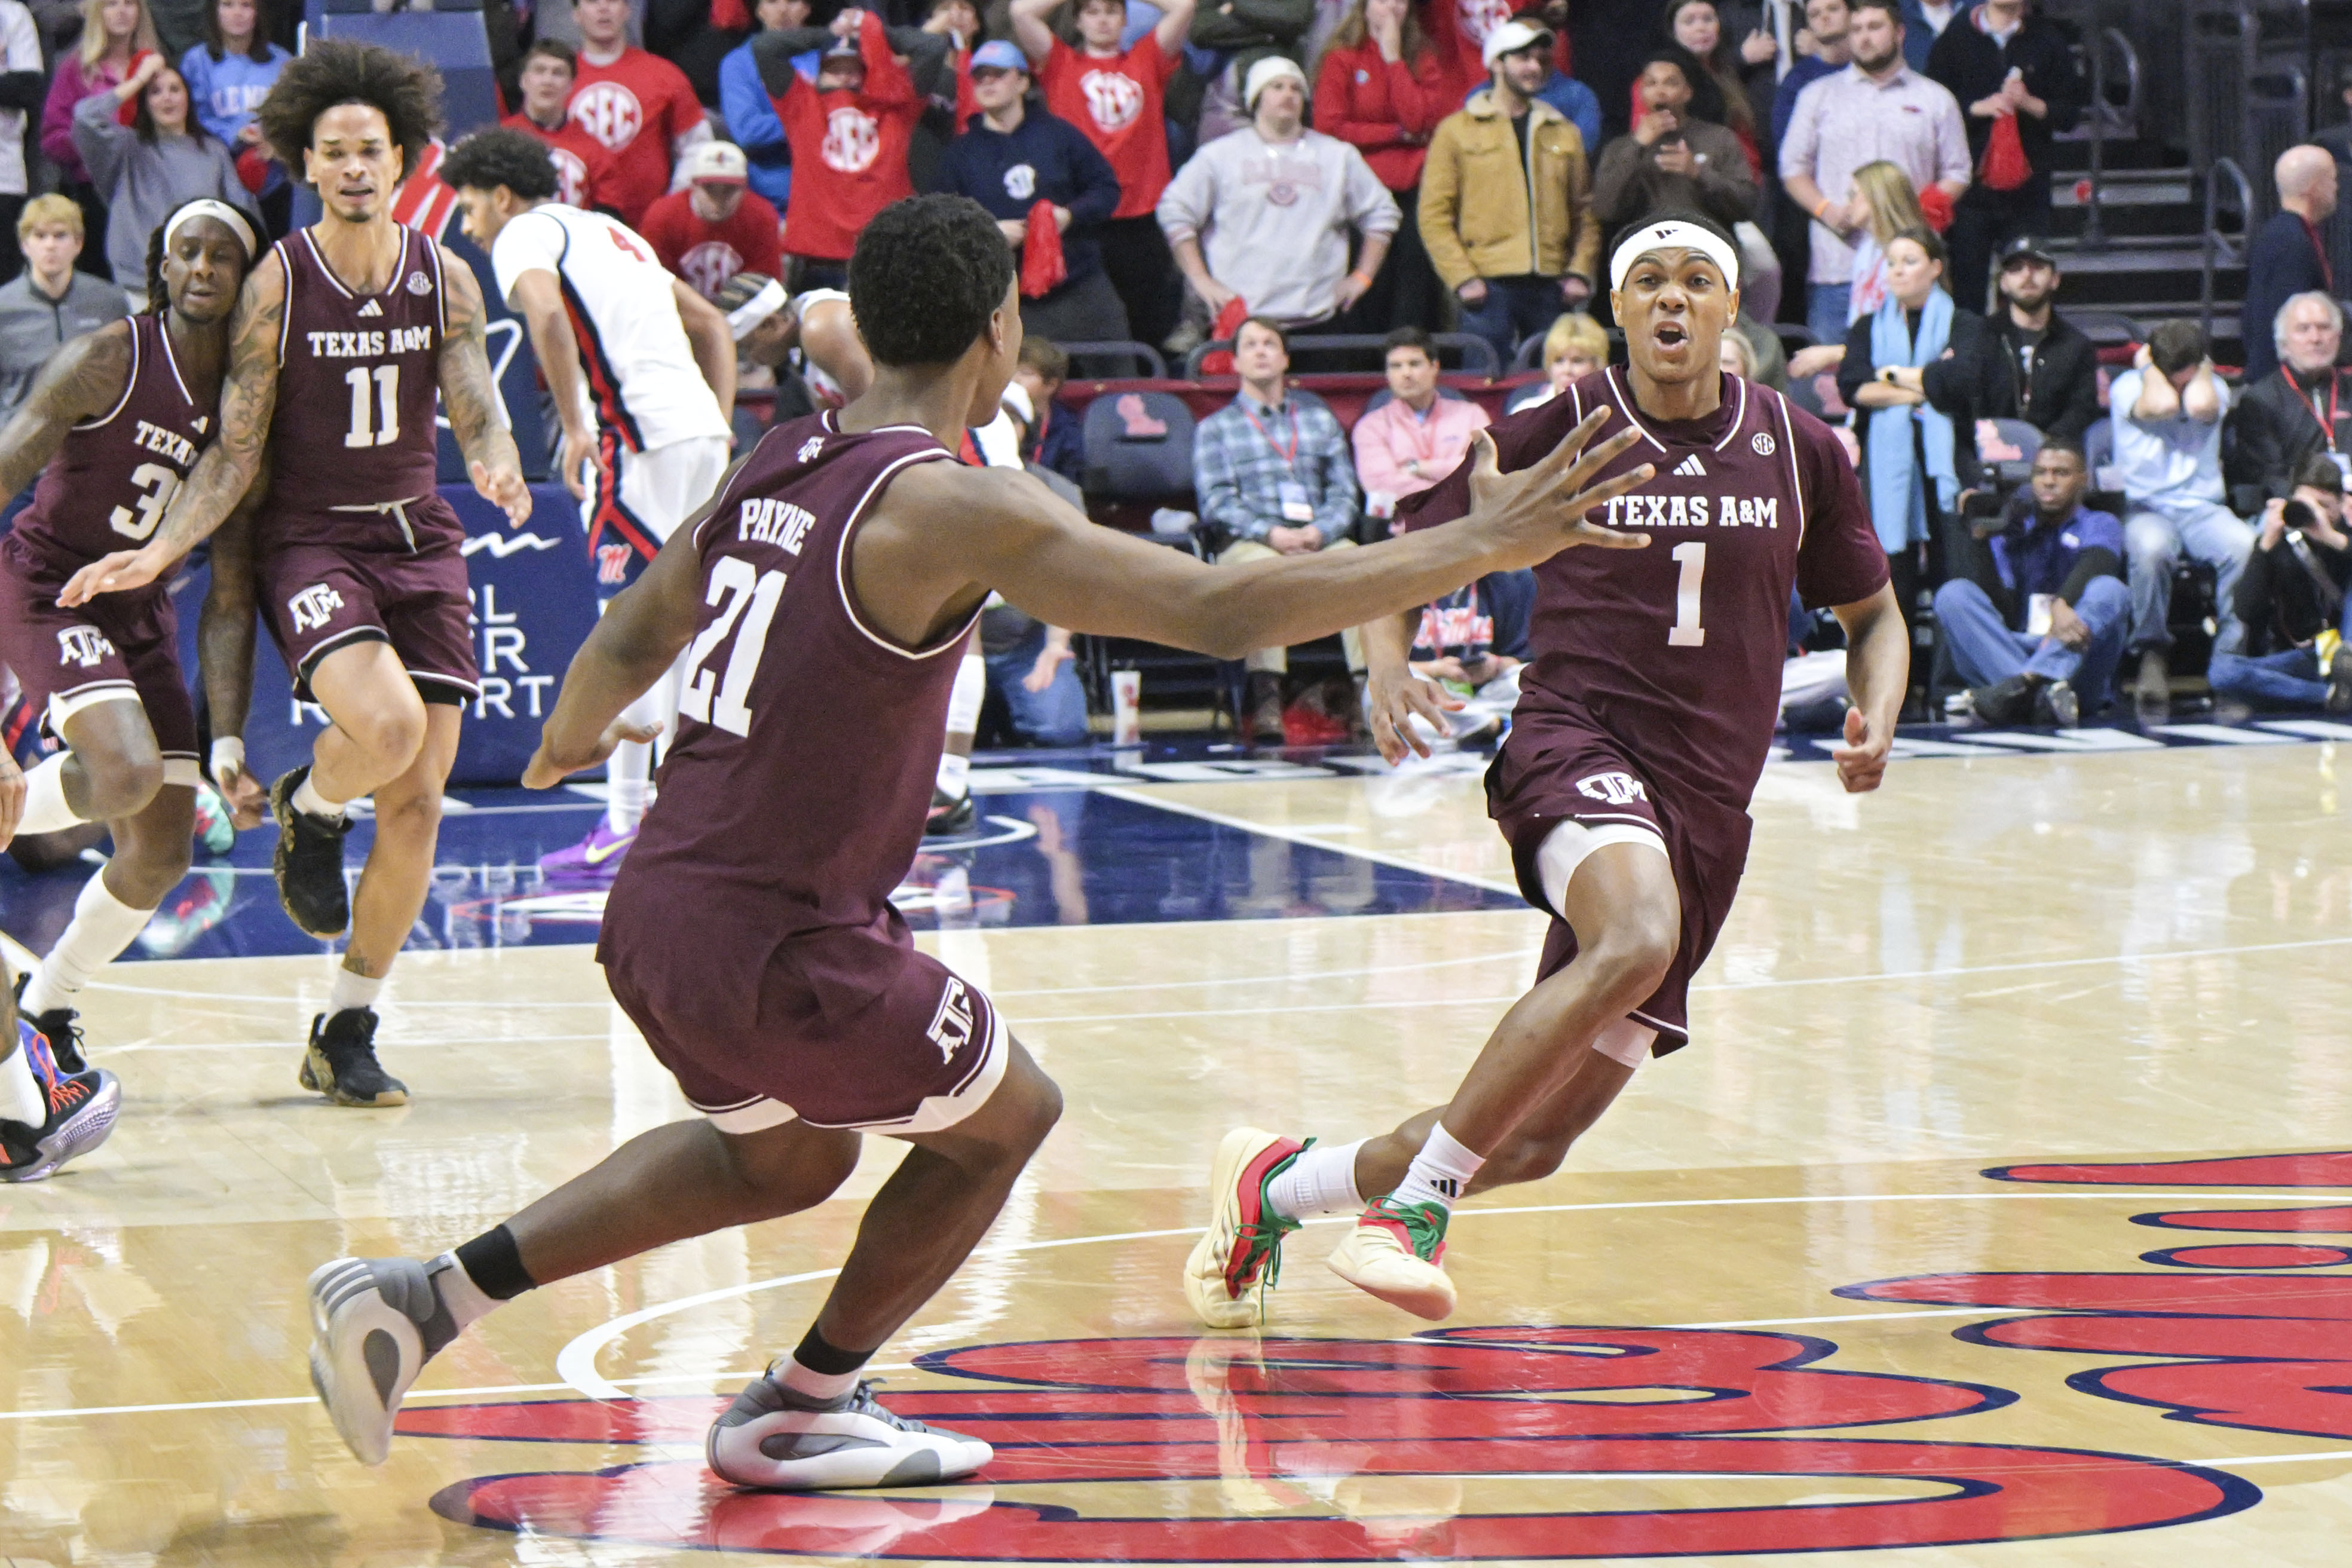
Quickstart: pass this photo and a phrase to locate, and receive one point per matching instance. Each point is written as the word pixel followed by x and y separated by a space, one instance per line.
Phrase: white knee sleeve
pixel 1626 1042
pixel 1565 848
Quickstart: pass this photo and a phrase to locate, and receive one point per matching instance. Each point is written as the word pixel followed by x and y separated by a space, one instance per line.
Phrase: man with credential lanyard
pixel 1274 477
pixel 2300 411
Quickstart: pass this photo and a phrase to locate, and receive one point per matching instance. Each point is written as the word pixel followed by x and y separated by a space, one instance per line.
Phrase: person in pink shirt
pixel 114 35
pixel 1417 436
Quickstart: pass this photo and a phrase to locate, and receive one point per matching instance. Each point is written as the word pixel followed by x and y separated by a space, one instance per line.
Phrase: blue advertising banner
pixel 533 602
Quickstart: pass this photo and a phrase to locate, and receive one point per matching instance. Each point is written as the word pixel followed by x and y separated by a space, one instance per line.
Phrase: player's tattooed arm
pixel 82 381
pixel 225 644
pixel 226 471
pixel 637 639
pixel 469 395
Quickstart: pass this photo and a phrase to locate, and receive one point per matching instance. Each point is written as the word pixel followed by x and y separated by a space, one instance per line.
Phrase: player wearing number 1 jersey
pixel 1644 717
pixel 750 935
pixel 113 428
pixel 344 333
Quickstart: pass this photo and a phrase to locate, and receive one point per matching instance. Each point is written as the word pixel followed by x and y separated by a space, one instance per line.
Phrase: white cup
pixel 1126 707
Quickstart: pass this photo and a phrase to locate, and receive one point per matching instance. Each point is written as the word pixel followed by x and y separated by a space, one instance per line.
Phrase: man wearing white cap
pixel 715 227
pixel 1263 215
pixel 1507 198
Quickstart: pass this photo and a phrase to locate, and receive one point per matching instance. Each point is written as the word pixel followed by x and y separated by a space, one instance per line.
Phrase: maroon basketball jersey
pixel 108 485
pixel 773 817
pixel 357 379
pixel 1675 650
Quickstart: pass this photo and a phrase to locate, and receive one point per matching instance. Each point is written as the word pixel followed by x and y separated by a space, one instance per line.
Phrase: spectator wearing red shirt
pixel 582 167
pixel 1119 97
pixel 849 130
pixel 959 23
pixel 640 107
pixel 714 228
pixel 1382 87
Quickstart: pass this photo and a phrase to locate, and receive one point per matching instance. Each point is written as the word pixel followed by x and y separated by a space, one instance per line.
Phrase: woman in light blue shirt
pixel 229 75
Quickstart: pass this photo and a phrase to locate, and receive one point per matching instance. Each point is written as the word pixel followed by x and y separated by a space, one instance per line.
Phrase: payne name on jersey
pixel 1644 510
pixel 369 345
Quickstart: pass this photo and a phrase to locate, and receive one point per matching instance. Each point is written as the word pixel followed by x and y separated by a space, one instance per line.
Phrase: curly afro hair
pixel 928 273
pixel 488 159
pixel 335 72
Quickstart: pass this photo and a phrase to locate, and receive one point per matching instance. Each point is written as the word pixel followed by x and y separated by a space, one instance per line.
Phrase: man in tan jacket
pixel 1506 200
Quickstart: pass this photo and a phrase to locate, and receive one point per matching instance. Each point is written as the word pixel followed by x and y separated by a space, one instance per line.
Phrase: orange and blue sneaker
pixel 1394 1251
pixel 1240 1255
pixel 82 1107
pixel 595 857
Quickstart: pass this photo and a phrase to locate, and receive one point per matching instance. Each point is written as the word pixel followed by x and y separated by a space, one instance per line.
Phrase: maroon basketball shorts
pixel 849 1027
pixel 315 598
pixel 1558 770
pixel 118 646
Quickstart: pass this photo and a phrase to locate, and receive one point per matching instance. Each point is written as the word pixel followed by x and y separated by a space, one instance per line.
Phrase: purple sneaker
pixel 593 858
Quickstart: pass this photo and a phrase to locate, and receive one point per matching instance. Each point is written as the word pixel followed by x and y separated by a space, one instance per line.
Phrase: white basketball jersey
pixel 642 380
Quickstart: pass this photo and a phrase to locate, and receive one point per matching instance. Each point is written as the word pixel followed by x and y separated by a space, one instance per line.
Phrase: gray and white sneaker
pixel 375 1322
pixel 778 1440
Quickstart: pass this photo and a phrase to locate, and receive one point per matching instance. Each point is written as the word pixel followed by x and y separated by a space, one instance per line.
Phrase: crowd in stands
pixel 1250 174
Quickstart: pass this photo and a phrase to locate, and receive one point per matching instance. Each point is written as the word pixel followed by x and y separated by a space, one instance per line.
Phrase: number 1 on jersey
pixel 382 432
pixel 1686 632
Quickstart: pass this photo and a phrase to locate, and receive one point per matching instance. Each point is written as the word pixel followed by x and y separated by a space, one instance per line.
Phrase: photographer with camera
pixel 2036 614
pixel 2291 601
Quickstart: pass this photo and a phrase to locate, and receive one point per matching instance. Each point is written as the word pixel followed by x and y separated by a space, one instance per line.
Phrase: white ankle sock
pixel 628 775
pixel 812 1385
pixel 102 927
pixel 466 1301
pixel 307 799
pixel 351 990
pixel 21 1098
pixel 955 773
pixel 1320 1182
pixel 45 810
pixel 1440 1173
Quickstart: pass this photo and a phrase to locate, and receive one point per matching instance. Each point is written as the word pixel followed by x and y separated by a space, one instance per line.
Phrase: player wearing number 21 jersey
pixel 1646 714
pixel 345 334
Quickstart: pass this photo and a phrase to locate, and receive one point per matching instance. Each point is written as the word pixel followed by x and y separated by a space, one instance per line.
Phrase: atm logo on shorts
pixel 951 1027
pixel 1617 789
pixel 84 646
pixel 314 607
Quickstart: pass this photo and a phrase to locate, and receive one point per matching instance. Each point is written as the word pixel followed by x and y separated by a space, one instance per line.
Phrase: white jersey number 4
pixel 1686 632
pixel 734 585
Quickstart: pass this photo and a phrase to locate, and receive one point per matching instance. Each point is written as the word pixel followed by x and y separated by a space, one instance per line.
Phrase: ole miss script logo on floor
pixel 1312 1450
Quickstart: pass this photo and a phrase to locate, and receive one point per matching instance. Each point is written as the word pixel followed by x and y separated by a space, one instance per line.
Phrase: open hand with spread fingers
pixel 1539 511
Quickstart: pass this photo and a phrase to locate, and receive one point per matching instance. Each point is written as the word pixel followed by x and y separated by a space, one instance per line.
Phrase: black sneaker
pixel 341 1062
pixel 2057 706
pixel 82 1107
pixel 952 816
pixel 61 1027
pixel 2339 681
pixel 2009 702
pixel 309 862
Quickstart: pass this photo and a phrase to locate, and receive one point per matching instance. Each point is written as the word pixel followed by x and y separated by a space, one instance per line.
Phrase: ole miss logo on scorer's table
pixel 1345 1451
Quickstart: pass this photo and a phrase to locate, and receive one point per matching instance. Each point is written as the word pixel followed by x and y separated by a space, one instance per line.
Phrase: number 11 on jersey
pixel 1687 631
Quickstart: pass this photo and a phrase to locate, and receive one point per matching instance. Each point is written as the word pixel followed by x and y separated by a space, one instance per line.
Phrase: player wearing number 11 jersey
pixel 343 335
pixel 1645 718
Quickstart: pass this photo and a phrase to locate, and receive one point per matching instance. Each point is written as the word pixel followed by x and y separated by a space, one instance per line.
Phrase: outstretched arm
pixel 226 471
pixel 469 395
pixel 82 381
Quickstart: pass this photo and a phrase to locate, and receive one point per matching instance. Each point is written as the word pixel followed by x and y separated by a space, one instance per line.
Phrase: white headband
pixel 745 319
pixel 1672 236
pixel 238 224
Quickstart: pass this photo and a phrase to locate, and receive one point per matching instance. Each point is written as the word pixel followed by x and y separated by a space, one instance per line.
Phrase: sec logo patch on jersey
pixel 1763 444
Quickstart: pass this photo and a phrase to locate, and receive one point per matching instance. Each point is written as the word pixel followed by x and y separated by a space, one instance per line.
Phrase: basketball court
pixel 1997 1214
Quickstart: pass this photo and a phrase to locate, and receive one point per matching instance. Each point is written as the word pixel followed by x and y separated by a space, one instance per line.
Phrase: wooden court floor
pixel 1997 1216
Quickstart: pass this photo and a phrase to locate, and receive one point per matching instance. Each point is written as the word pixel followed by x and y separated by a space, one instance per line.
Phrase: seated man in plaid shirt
pixel 1274 476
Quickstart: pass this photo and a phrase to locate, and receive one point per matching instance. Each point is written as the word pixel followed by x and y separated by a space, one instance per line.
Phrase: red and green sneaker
pixel 1242 1250
pixel 1394 1251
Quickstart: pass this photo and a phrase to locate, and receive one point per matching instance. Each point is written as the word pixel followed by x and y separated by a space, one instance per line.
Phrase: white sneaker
pixel 1240 1252
pixel 375 1321
pixel 775 1439
pixel 1397 1252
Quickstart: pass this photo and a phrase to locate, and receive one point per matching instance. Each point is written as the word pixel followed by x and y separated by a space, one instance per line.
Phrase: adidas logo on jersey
pixel 1690 468
pixel 371 309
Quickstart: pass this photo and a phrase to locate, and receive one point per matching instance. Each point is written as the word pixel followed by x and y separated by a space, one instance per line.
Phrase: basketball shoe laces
pixel 1421 1227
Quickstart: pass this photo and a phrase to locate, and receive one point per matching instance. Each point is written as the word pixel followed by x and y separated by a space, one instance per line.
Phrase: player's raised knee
pixel 392 732
pixel 1637 946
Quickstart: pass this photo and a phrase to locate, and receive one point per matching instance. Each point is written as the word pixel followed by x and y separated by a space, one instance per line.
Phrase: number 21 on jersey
pixel 742 593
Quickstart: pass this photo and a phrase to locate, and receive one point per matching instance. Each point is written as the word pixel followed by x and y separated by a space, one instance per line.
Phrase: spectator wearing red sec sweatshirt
pixel 639 106
pixel 849 130
pixel 714 228
pixel 1118 97
pixel 1383 88
pixel 582 167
